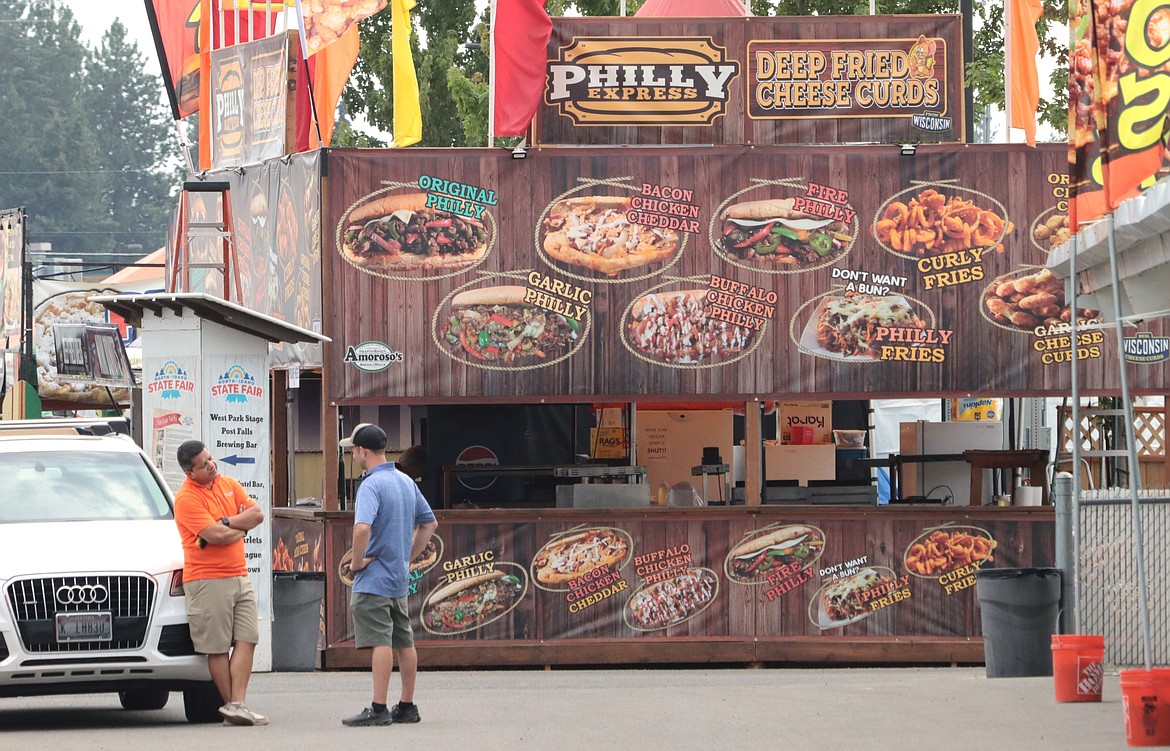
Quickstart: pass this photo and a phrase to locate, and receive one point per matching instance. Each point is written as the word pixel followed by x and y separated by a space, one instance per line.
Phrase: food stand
pixel 473 282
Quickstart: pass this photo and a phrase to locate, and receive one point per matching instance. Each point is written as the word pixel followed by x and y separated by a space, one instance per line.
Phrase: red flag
pixel 1024 49
pixel 520 48
pixel 174 24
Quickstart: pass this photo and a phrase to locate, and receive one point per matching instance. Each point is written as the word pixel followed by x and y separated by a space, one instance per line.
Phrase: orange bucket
pixel 1078 669
pixel 1145 701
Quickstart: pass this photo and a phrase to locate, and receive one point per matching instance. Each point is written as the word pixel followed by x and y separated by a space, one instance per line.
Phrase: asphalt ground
pixel 948 709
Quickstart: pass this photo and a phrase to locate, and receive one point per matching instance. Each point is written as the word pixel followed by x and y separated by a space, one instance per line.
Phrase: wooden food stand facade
pixel 907 272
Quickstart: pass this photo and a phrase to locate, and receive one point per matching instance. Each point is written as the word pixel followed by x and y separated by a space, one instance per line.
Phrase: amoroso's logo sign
pixel 1146 348
pixel 371 357
pixel 641 81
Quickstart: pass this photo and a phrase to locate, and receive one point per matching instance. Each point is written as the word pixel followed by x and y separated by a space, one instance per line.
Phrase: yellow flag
pixel 407 115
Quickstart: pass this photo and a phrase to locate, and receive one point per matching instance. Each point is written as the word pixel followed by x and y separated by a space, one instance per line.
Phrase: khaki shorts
pixel 221 611
pixel 380 621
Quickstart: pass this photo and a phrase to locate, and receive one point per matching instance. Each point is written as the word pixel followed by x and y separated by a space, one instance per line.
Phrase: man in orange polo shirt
pixel 214 514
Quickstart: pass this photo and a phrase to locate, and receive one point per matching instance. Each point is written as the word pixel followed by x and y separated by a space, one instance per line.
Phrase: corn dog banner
pixel 629 576
pixel 582 273
pixel 1119 82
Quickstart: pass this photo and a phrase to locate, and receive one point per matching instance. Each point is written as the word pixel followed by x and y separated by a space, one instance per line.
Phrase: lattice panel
pixel 1149 431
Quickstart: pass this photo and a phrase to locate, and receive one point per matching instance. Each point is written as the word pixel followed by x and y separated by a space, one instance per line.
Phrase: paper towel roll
pixel 1028 496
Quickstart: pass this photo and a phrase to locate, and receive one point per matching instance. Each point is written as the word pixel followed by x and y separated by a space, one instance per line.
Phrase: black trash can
pixel 296 618
pixel 1020 608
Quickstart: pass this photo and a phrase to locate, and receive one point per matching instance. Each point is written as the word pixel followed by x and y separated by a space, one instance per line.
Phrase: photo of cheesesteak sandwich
pixel 751 561
pixel 468 604
pixel 494 326
pixel 670 602
pixel 772 234
pixel 677 327
pixel 429 556
pixel 399 233
pixel 593 232
pixel 570 557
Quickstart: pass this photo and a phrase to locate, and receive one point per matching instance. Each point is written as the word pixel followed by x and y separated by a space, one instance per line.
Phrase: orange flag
pixel 1024 48
pixel 331 69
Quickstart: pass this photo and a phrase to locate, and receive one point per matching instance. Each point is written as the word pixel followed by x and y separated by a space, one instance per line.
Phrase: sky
pixel 96 16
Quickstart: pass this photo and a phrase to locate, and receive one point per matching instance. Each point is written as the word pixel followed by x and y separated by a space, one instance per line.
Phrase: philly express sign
pixel 640 81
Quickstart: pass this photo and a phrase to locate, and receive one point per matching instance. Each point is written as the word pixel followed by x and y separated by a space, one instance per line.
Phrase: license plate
pixel 85 627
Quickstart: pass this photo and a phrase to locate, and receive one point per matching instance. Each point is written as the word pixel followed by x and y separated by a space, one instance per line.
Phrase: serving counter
pixel 793 584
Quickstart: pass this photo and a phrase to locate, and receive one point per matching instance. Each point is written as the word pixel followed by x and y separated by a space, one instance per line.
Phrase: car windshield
pixel 78 486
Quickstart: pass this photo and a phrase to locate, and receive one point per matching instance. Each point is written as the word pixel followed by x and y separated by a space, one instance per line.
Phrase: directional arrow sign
pixel 234 460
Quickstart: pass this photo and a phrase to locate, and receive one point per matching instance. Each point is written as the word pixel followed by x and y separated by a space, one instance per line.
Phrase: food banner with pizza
pixel 633 576
pixel 757 80
pixel 583 273
pixel 1119 83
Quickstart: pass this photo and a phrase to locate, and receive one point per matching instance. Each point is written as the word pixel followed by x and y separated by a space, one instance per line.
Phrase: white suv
pixel 91 571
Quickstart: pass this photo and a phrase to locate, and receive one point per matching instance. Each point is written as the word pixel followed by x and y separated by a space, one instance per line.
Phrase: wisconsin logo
pixel 640 81
pixel 170 381
pixel 1146 348
pixel 931 122
pixel 237 385
pixel 371 357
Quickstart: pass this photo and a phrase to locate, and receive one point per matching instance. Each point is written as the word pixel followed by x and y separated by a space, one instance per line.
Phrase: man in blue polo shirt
pixel 392 523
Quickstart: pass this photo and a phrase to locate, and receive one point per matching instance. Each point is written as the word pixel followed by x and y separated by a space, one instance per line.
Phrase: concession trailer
pixel 577 331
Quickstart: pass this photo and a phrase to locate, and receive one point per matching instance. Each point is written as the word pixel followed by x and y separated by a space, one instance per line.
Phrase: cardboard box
pixel 800 463
pixel 817 415
pixel 668 444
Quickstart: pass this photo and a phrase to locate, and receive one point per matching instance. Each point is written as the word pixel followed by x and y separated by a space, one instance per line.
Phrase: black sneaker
pixel 368 717
pixel 404 713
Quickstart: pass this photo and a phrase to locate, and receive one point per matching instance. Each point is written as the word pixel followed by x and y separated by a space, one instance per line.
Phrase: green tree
pixel 138 144
pixel 460 100
pixel 445 26
pixel 87 147
pixel 48 154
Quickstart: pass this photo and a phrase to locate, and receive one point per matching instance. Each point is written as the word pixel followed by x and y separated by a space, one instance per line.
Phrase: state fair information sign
pixel 236 402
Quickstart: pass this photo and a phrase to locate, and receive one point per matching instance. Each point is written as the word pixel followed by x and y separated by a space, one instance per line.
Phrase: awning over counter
pixel 1142 236
pixel 134 307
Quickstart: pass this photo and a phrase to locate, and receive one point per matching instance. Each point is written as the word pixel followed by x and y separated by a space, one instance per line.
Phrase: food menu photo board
pixel 637 577
pixel 578 273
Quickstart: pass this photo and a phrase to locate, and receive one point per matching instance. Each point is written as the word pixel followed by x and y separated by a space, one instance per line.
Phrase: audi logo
pixel 82 594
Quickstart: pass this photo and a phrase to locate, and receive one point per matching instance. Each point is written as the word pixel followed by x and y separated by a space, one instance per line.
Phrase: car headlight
pixel 177 583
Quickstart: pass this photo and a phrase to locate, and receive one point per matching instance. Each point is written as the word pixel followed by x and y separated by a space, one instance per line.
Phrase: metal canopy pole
pixel 1135 476
pixel 1074 383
